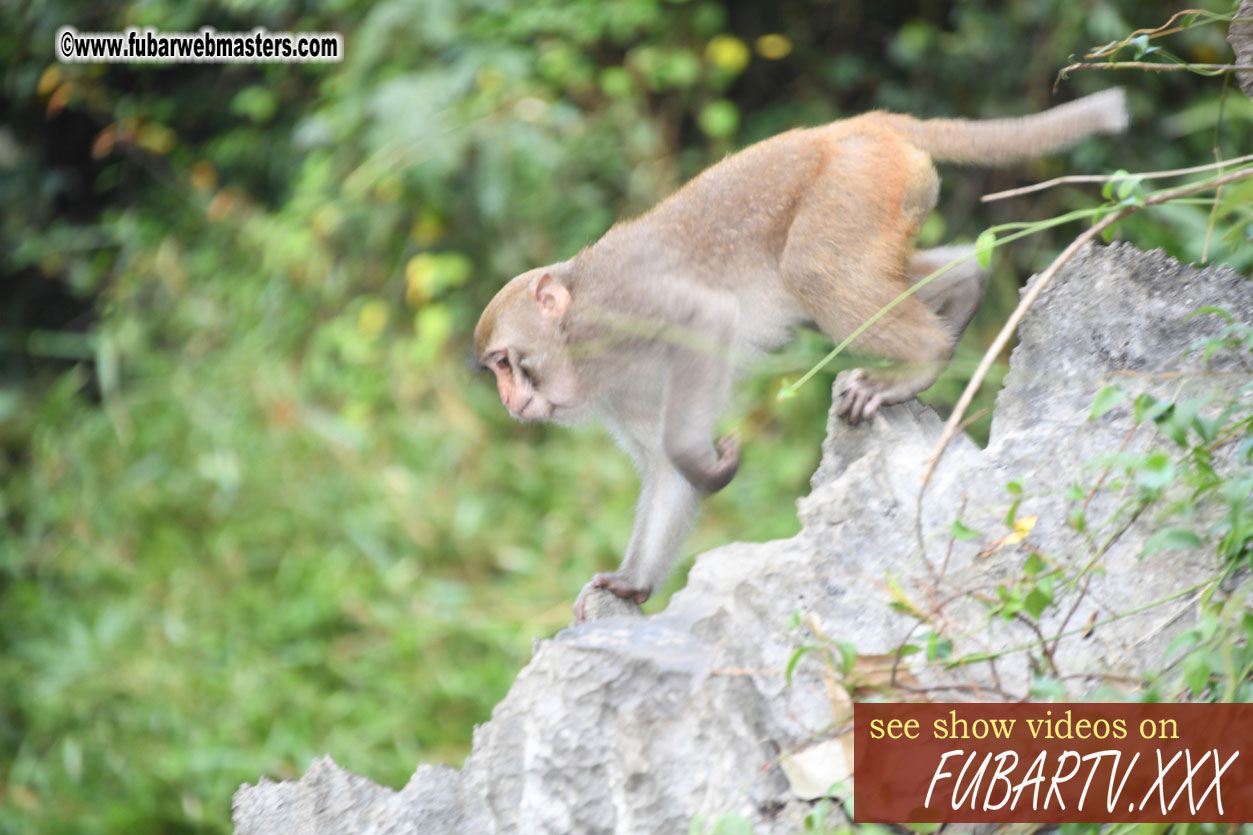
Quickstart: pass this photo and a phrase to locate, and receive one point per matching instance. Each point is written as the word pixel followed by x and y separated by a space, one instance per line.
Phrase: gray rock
pixel 639 725
pixel 602 603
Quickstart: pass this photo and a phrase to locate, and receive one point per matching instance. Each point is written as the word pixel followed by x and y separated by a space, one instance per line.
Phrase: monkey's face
pixel 520 341
pixel 532 386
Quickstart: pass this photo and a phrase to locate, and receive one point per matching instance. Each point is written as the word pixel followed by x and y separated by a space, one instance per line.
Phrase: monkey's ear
pixel 551 295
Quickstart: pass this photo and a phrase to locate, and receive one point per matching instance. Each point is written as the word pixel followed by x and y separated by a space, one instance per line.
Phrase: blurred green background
pixel 254 507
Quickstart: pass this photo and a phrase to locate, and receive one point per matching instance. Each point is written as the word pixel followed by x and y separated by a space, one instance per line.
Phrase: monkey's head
pixel 520 339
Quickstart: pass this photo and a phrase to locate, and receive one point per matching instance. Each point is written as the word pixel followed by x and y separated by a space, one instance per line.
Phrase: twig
pixel 1044 644
pixel 1104 178
pixel 1109 467
pixel 1002 338
pixel 1155 32
pixel 1154 66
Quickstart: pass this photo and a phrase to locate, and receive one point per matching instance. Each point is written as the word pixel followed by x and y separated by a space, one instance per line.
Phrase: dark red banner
pixel 1053 763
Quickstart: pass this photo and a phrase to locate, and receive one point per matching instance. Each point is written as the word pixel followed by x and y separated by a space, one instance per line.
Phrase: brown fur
pixel 646 327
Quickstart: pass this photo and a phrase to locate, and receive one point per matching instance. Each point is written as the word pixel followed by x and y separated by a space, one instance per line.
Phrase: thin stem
pixel 1155 32
pixel 1105 178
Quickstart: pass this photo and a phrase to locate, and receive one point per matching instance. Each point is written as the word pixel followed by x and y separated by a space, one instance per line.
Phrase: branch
pixel 1153 66
pixel 1155 32
pixel 1103 178
pixel 1002 338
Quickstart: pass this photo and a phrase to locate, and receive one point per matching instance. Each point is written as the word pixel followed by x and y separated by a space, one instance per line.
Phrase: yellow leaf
pixel 774 46
pixel 727 52
pixel 372 318
pixel 49 80
pixel 157 139
pixel 1022 527
pixel 902 600
pixel 326 220
pixel 203 176
pixel 418 279
pixel 427 229
pixel 388 189
pixel 489 79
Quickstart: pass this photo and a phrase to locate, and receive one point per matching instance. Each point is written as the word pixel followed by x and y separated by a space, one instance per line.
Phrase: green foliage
pixel 252 509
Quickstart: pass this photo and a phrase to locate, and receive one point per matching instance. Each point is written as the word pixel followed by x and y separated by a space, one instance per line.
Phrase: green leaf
pixel 1128 190
pixel 616 83
pixel 848 655
pixel 1177 538
pixel 258 103
pixel 1175 423
pixel 816 820
pixel 972 658
pixel 1038 599
pixel 1234 491
pixel 1106 399
pixel 1107 190
pixel 984 244
pixel 1034 565
pixel 1196 671
pixel 1186 637
pixel 1012 514
pixel 1206 428
pixel 1048 687
pixel 719 119
pixel 1148 407
pixel 1217 311
pixel 938 647
pixel 960 530
pixel 733 824
pixel 797 655
pixel 1156 471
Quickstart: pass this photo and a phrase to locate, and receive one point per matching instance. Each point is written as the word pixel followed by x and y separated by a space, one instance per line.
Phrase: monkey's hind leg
pixel 954 297
pixel 955 294
pixel 847 258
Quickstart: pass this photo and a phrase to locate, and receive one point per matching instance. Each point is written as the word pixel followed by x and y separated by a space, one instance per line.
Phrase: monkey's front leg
pixel 663 517
pixel 697 386
pixel 676 453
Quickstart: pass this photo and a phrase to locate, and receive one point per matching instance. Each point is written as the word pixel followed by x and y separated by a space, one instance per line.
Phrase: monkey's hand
pixel 711 477
pixel 614 582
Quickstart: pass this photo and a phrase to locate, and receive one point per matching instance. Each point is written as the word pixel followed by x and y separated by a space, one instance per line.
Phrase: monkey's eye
pixel 502 364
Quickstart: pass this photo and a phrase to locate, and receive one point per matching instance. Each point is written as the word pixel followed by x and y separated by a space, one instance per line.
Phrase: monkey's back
pixel 739 211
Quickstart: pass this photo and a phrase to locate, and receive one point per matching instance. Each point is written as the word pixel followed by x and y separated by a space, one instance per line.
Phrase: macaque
pixel 647 328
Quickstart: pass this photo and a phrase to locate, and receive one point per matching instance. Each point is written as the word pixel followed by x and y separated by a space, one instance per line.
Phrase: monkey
pixel 647 328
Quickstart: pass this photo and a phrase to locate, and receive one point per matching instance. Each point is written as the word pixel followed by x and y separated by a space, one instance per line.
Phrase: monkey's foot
pixel 612 582
pixel 862 391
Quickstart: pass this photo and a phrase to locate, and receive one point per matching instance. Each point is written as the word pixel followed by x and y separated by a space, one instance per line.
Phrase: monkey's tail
pixel 1001 141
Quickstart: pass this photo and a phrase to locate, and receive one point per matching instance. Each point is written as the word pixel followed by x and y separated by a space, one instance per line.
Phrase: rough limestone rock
pixel 638 724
